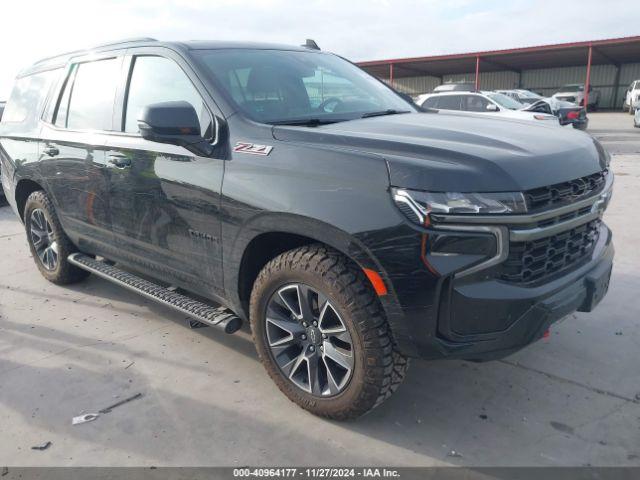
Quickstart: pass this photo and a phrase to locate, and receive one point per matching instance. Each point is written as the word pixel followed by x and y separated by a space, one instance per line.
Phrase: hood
pixel 447 152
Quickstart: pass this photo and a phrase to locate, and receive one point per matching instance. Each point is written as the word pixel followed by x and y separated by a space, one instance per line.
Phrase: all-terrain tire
pixel 379 368
pixel 63 273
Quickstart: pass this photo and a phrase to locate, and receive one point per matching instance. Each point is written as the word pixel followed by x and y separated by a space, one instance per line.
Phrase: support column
pixel 477 72
pixel 588 81
pixel 616 87
pixel 391 75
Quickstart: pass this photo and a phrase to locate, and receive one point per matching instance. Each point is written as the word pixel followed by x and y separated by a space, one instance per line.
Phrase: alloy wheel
pixel 43 239
pixel 308 340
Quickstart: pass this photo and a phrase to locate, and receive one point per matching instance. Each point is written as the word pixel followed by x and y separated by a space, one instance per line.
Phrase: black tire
pixel 378 369
pixel 63 272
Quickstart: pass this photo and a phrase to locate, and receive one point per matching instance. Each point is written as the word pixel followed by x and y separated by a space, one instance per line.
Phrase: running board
pixel 219 317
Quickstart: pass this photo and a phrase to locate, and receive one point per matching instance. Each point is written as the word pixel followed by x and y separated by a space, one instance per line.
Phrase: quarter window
pixel 159 79
pixel 27 97
pixel 430 102
pixel 90 95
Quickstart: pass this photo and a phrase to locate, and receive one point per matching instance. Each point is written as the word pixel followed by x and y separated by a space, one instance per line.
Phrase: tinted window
pixel 156 80
pixel 276 86
pixel 449 102
pixel 27 97
pixel 63 106
pixel 92 94
pixel 474 103
pixel 430 102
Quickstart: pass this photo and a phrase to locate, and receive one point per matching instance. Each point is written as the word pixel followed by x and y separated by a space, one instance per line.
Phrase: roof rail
pixel 125 40
pixel 46 59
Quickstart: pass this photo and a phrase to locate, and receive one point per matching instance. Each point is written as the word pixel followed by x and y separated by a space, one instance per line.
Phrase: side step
pixel 219 317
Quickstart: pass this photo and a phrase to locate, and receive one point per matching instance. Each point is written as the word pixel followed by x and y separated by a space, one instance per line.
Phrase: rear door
pixel 164 199
pixel 73 152
pixel 20 130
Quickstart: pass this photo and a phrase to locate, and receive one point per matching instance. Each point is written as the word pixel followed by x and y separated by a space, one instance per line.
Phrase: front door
pixel 164 199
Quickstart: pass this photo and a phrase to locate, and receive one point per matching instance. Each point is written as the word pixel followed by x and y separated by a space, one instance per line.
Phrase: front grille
pixel 565 192
pixel 543 258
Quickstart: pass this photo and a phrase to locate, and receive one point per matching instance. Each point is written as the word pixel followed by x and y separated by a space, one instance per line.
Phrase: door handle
pixel 51 151
pixel 119 161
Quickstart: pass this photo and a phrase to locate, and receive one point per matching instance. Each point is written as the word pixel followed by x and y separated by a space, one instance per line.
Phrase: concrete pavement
pixel 573 399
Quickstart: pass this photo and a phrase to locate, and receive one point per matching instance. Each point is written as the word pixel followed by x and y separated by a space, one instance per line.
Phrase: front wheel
pixel 322 335
pixel 49 245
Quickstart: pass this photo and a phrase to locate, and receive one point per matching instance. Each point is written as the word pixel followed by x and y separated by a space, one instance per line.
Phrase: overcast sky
pixel 359 30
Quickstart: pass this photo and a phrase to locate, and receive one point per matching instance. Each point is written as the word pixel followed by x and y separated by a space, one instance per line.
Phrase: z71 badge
pixel 252 148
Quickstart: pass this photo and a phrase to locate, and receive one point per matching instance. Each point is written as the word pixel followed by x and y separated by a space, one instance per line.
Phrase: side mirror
pixel 492 107
pixel 175 123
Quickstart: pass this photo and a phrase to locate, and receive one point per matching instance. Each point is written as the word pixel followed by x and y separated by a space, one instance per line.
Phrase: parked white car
pixel 484 104
pixel 636 119
pixel 574 93
pixel 632 97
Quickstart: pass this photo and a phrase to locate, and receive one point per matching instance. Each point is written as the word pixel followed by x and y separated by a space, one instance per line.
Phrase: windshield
pixel 528 95
pixel 504 101
pixel 279 86
pixel 572 88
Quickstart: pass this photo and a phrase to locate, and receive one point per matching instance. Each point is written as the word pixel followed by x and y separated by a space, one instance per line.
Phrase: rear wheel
pixel 322 335
pixel 49 245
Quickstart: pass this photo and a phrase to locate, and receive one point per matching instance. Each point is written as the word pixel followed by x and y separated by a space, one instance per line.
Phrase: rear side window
pixel 449 102
pixel 27 98
pixel 159 79
pixel 87 101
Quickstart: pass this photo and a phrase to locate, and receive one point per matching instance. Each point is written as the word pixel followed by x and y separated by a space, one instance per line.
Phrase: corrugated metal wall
pixel 545 81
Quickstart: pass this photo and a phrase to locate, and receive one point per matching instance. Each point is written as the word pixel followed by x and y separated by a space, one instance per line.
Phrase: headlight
pixel 417 205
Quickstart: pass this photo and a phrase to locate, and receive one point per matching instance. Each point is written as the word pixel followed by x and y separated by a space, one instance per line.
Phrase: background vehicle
pixel 485 104
pixel 455 87
pixel 567 113
pixel 574 93
pixel 636 118
pixel 447 87
pixel 632 97
pixel 290 189
pixel 526 97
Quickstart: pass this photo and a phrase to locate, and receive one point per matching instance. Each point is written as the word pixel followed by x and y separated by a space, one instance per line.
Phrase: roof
pixel 61 59
pixel 608 51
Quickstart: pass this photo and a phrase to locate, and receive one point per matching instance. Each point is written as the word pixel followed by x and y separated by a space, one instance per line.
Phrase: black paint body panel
pixel 188 220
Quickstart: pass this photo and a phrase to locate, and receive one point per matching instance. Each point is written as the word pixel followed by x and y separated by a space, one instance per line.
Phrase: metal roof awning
pixel 614 51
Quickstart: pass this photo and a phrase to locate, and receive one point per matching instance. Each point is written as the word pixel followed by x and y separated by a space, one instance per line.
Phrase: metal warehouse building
pixel 607 65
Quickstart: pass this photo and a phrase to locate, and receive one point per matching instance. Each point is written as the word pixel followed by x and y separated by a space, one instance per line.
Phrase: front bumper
pixel 516 316
pixel 478 297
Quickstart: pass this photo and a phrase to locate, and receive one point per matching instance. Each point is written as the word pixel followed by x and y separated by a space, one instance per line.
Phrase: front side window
pixel 156 80
pixel 475 103
pixel 89 94
pixel 277 86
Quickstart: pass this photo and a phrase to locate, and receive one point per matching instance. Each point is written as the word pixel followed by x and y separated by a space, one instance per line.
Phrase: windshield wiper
pixel 306 122
pixel 389 111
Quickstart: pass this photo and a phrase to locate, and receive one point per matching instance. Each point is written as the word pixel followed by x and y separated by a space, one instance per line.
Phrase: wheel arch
pixel 24 188
pixel 276 234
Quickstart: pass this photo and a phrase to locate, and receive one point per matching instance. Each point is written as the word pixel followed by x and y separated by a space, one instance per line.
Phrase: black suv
pixel 286 187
